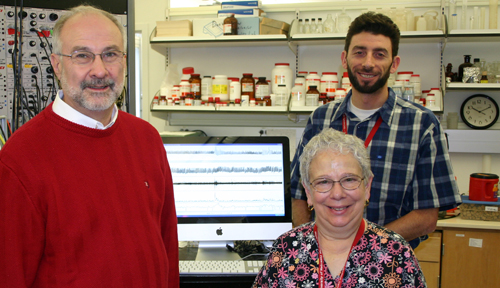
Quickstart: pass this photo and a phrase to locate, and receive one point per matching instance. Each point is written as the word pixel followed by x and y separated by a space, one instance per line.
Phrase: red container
pixel 483 187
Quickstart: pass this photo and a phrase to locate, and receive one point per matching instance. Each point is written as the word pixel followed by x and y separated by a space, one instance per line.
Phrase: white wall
pixel 260 61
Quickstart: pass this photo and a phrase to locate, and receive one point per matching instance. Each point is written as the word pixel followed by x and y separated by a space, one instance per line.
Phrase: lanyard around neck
pixel 372 132
pixel 359 234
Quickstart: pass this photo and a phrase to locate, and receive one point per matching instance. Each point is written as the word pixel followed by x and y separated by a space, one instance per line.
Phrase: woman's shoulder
pixel 302 233
pixel 384 235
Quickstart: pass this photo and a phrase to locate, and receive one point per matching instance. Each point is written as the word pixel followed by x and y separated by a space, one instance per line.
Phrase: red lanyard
pixel 359 234
pixel 372 133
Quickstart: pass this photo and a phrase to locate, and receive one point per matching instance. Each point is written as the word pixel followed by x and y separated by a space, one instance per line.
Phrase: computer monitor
pixel 230 188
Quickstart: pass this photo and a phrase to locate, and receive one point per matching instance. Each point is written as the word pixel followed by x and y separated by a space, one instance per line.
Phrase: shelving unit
pixel 472 86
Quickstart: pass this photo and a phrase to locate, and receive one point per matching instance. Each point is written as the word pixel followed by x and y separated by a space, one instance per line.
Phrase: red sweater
pixel 81 207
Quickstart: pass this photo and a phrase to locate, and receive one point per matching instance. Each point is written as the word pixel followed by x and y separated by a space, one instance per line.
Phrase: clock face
pixel 479 111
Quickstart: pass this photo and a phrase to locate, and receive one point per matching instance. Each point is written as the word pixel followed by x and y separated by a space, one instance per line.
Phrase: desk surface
pixel 458 222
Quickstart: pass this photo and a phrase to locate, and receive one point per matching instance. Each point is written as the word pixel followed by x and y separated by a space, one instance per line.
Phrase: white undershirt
pixel 67 112
pixel 361 113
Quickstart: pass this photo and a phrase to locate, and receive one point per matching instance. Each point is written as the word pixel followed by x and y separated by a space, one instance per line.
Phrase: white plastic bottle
pixel 235 89
pixel 439 98
pixel 417 86
pixel 340 94
pixel 220 87
pixel 281 96
pixel 421 24
pixel 281 74
pixel 186 73
pixel 329 82
pixel 206 87
pixel 298 95
pixel 313 79
pixel 185 88
pixel 346 83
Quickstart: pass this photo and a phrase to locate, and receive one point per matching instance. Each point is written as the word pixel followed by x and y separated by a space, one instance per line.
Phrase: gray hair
pixel 338 142
pixel 83 10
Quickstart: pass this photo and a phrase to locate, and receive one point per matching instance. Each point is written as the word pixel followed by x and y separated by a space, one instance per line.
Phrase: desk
pixel 470 253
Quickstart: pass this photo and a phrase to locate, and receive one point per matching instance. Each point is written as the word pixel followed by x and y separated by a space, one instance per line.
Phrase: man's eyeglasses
pixel 323 185
pixel 87 57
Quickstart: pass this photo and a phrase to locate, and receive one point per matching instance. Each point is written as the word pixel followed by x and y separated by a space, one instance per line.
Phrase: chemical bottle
pixel 298 95
pixel 329 24
pixel 313 79
pixel 185 88
pixel 343 22
pixel 307 27
pixel 484 77
pixel 281 74
pixel 329 82
pixel 319 26
pixel 267 101
pixel 303 74
pixel 312 96
pixel 219 87
pixel 346 83
pixel 340 94
pixel 195 81
pixel 301 79
pixel 462 66
pixel 398 90
pixel 261 88
pixel 417 87
pixel 231 25
pixel 313 25
pixel 281 96
pixel 206 87
pixel 186 73
pixel 248 85
pixel 439 98
pixel 450 76
pixel 234 89
pixel 301 27
pixel 408 93
pixel 421 24
pixel 431 102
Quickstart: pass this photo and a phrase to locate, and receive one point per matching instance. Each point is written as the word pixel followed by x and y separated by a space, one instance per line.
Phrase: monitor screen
pixel 230 188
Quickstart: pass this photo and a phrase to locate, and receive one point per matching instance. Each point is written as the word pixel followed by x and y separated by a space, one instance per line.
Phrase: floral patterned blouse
pixel 381 258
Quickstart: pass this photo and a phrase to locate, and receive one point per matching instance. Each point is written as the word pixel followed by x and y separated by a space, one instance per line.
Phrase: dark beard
pixel 368 89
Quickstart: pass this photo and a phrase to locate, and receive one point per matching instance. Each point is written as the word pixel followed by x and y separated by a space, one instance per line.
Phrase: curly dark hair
pixel 375 23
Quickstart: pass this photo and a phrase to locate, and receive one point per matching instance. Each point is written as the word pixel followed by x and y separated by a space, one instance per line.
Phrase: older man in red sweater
pixel 86 197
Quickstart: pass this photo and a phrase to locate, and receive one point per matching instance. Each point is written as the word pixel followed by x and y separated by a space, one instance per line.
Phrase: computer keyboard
pixel 220 267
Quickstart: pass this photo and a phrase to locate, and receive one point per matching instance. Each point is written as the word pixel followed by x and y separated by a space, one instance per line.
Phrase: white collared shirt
pixel 67 112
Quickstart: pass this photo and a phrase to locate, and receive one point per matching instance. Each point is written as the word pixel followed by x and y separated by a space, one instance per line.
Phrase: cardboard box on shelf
pixel 271 26
pixel 239 5
pixel 213 27
pixel 239 13
pixel 174 28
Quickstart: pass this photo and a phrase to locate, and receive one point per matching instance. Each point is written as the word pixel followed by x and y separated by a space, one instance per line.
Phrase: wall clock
pixel 479 111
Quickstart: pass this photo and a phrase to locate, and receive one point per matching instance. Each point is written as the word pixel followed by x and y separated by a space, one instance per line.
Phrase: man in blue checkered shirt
pixel 409 156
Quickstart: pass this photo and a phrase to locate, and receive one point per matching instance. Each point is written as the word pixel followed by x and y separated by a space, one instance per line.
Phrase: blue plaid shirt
pixel 409 158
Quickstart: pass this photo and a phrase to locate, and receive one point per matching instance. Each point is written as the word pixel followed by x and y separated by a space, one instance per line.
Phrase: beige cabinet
pixel 429 256
pixel 471 258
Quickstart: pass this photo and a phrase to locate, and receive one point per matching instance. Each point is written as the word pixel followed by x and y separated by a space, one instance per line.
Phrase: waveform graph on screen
pixel 228 180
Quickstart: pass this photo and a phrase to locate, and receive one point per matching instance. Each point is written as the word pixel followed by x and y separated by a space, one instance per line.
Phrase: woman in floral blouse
pixel 340 248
